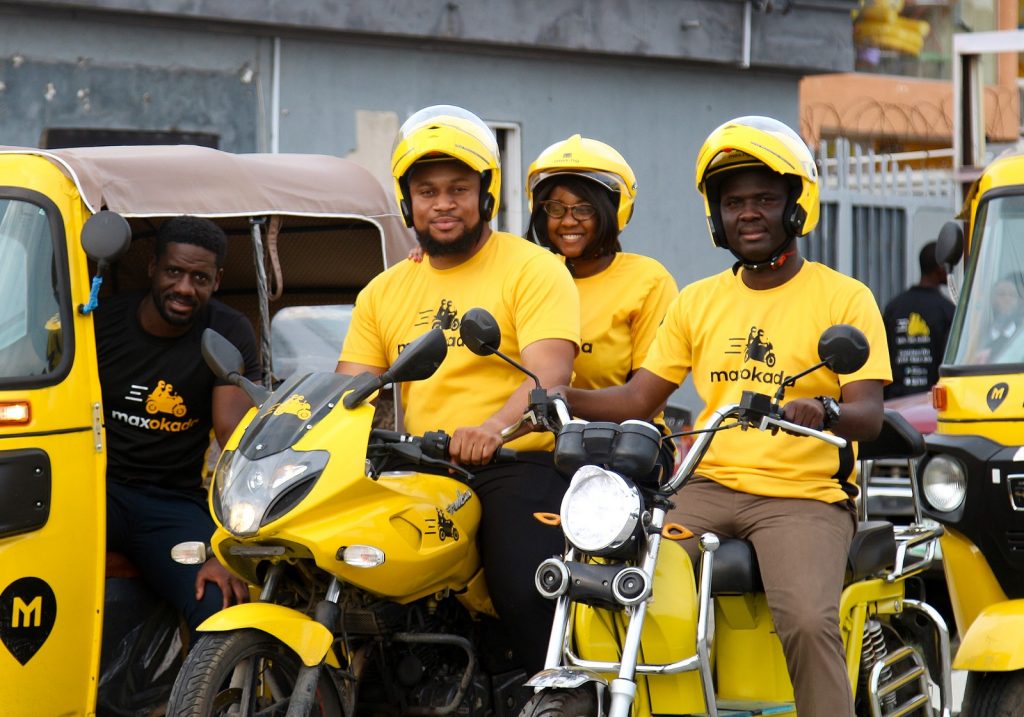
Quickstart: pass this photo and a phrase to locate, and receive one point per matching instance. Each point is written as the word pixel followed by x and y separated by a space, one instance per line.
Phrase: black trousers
pixel 513 543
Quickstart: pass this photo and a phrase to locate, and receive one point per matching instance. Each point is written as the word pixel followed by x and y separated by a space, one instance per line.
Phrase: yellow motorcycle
pixel 362 543
pixel 638 632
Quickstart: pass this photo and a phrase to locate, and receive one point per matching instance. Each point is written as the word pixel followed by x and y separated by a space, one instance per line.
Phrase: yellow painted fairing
pixel 425 524
pixel 67 553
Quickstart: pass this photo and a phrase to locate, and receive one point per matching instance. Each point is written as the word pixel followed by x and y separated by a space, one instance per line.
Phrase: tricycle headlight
pixel 600 510
pixel 944 481
pixel 244 489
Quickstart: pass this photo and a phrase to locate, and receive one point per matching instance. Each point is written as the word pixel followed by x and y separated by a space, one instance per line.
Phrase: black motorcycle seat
pixel 736 572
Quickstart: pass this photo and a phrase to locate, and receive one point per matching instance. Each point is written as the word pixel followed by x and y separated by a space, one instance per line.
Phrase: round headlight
pixel 600 510
pixel 945 483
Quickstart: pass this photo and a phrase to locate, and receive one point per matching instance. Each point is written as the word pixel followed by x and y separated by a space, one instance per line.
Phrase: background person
pixel 448 182
pixel 917 324
pixel 160 402
pixel 791 496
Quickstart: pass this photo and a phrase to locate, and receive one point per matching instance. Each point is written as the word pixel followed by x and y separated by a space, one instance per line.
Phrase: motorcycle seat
pixel 736 571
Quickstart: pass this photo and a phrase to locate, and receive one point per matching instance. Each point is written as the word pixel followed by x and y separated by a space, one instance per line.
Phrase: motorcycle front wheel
pixel 245 673
pixel 562 703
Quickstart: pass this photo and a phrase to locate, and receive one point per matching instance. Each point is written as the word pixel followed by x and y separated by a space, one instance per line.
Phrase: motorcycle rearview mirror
pixel 843 348
pixel 227 364
pixel 481 334
pixel 419 360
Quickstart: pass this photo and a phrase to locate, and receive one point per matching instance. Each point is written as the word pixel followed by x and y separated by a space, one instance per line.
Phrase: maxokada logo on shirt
pixel 161 399
pixel 444 316
pixel 756 349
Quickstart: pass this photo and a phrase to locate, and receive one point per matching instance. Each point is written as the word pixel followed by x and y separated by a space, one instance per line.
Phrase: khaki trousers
pixel 802 548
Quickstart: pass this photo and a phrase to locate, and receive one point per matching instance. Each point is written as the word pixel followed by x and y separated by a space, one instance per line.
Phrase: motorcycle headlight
pixel 600 510
pixel 944 481
pixel 245 489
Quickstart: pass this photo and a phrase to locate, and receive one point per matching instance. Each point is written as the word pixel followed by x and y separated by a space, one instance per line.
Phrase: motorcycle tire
pixel 998 694
pixel 562 703
pixel 210 684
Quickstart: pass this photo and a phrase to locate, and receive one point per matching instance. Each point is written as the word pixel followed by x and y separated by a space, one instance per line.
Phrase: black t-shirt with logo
pixel 917 325
pixel 158 392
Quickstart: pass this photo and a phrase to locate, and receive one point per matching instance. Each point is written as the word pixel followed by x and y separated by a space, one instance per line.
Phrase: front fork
pixel 303 698
pixel 623 687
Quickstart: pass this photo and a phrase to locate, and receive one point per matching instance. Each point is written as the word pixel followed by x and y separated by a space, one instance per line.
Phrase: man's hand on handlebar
pixel 806 412
pixel 475 445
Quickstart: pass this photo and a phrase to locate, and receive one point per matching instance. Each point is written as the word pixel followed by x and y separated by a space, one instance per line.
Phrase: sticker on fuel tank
pixel 996 395
pixel 28 610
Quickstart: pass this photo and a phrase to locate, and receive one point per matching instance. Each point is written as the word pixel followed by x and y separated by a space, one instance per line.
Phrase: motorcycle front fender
pixel 310 640
pixel 564 678
pixel 992 643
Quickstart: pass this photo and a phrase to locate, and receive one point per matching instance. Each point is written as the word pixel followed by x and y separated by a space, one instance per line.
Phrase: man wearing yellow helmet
pixel 745 329
pixel 447 182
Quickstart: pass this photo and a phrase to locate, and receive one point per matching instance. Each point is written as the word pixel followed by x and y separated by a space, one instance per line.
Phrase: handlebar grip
pixel 834 440
pixel 505 455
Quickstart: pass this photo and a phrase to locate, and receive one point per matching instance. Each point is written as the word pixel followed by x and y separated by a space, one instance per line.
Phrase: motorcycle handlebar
pixel 434 444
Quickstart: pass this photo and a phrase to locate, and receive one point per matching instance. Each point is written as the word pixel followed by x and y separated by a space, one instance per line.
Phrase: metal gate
pixel 877 211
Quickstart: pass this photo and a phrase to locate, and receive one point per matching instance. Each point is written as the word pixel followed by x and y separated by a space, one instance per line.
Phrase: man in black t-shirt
pixel 160 402
pixel 917 325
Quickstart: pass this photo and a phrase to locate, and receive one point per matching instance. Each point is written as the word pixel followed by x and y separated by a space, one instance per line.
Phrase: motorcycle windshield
pixel 298 404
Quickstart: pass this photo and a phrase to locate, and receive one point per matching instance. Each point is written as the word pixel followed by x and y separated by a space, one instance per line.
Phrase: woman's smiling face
pixel 567 234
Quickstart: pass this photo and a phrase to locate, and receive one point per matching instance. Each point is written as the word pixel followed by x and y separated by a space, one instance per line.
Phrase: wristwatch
pixel 832 411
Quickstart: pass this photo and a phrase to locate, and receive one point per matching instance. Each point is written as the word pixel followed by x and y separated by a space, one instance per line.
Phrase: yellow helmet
pixel 441 132
pixel 749 142
pixel 592 160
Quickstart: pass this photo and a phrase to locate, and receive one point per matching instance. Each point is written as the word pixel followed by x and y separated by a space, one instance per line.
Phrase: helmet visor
pixel 607 180
pixel 447 116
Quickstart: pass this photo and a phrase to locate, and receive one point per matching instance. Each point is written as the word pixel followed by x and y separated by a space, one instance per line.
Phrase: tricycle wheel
pixel 997 694
pixel 243 673
pixel 579 702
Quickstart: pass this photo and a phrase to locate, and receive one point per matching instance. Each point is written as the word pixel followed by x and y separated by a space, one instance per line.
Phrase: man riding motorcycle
pixel 791 497
pixel 448 181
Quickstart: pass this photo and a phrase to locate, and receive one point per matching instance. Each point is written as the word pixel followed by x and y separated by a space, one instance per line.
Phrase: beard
pixel 160 301
pixel 462 245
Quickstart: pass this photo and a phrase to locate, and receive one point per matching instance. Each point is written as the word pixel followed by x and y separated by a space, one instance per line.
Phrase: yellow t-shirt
pixel 733 338
pixel 622 307
pixel 528 291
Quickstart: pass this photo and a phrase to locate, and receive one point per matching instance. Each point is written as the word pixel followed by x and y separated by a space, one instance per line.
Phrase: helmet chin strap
pixel 772 263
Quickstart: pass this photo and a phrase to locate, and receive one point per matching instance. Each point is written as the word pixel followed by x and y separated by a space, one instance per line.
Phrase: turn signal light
pixel 939 398
pixel 17 413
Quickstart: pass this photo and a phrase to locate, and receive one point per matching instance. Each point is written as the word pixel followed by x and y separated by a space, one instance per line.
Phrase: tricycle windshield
pixel 989 326
pixel 31 334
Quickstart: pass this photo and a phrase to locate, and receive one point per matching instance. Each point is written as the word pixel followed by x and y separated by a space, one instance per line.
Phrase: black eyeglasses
pixel 580 212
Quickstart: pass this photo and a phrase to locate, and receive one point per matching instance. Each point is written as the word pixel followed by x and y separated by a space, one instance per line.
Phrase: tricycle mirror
pixel 106 236
pixel 420 359
pixel 949 247
pixel 480 332
pixel 843 348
